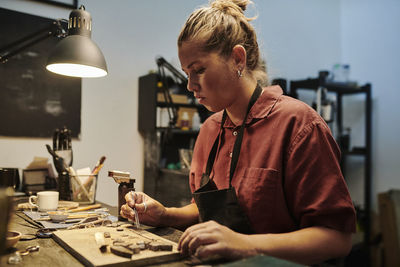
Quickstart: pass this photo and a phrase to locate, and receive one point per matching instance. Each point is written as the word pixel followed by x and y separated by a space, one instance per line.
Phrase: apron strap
pixel 238 141
pixel 213 153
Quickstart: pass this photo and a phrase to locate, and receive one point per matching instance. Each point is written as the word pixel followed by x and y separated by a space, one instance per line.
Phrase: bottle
pixel 326 106
pixel 337 73
pixel 346 73
pixel 185 121
pixel 196 121
pixel 340 73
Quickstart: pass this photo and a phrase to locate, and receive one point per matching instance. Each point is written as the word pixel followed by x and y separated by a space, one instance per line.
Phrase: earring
pixel 239 73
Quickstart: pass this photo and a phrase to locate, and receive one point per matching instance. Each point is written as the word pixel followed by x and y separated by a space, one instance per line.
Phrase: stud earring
pixel 239 73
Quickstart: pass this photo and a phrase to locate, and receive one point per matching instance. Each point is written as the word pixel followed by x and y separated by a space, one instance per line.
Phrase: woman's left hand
pixel 211 239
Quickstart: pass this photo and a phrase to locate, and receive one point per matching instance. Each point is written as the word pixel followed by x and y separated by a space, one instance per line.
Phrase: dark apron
pixel 222 205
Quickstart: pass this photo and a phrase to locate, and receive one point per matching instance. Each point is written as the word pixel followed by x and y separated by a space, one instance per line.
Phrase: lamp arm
pixel 54 29
pixel 161 62
pixel 171 107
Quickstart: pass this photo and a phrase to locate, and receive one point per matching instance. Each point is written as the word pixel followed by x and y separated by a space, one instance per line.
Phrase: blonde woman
pixel 265 173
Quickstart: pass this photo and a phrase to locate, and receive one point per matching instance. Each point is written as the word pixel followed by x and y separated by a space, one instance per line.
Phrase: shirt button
pixel 234 133
pixel 230 154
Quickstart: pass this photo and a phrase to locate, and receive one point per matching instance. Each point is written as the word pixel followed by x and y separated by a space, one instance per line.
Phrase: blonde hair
pixel 222 25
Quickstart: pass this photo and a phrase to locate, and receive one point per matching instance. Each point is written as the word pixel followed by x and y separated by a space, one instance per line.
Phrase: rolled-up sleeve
pixel 316 192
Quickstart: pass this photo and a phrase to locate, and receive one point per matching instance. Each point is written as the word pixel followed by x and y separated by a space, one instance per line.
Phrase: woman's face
pixel 211 77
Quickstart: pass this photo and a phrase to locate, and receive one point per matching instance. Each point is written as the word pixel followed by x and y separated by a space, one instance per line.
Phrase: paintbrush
pixel 95 171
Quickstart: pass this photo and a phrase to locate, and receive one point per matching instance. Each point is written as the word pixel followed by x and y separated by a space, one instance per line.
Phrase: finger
pixel 208 251
pixel 127 211
pixel 195 227
pixel 188 235
pixel 183 238
pixel 123 211
pixel 200 240
pixel 130 199
pixel 142 208
pixel 123 214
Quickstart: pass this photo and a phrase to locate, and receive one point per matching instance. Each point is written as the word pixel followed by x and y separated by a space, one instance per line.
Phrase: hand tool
pixel 137 223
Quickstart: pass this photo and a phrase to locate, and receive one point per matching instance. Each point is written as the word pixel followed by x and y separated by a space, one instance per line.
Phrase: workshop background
pixel 298 38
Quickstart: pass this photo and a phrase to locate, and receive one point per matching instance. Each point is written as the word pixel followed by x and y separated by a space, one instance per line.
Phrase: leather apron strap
pixel 222 205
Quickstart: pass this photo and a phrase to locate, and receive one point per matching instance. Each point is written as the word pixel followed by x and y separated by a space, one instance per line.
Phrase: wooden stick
pixel 73 174
pixel 90 207
pixel 72 216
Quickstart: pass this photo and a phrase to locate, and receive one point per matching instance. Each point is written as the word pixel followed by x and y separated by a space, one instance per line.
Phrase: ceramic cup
pixel 45 200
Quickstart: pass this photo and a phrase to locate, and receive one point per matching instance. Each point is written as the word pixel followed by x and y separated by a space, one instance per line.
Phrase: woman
pixel 265 173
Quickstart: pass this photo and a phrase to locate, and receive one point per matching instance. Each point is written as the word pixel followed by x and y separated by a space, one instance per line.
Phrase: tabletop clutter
pixel 72 207
pixel 79 185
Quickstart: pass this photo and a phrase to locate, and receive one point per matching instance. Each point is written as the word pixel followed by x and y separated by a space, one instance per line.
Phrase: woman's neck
pixel 237 110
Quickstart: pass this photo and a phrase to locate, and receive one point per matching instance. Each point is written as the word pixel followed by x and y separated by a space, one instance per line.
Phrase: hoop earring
pixel 239 73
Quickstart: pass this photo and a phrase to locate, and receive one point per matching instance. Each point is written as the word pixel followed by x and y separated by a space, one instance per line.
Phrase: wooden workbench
pixel 52 254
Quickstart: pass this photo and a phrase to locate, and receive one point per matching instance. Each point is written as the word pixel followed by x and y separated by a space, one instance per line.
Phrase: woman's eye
pixel 200 71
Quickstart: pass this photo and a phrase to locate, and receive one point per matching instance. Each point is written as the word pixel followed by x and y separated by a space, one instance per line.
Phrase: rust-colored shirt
pixel 288 175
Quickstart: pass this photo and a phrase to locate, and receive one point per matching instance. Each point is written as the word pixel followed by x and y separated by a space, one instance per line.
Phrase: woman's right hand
pixel 150 211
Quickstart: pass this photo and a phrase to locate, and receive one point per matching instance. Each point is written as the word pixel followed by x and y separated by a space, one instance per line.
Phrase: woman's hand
pixel 210 239
pixel 150 211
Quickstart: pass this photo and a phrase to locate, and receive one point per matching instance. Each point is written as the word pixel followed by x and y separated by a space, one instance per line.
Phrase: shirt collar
pixel 261 108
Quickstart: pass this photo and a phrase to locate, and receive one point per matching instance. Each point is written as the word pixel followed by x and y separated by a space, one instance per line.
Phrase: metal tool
pixel 29 249
pixel 16 257
pixel 137 223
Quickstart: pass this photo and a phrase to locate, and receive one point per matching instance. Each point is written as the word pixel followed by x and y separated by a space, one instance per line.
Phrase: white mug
pixel 45 200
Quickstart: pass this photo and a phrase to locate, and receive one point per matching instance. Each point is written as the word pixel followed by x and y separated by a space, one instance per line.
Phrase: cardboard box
pixel 389 213
pixel 178 99
pixel 35 180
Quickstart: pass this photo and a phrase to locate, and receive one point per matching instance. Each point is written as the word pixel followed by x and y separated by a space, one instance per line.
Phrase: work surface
pixel 51 253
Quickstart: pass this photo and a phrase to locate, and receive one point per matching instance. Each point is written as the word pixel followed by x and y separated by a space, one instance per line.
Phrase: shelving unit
pixel 342 90
pixel 161 145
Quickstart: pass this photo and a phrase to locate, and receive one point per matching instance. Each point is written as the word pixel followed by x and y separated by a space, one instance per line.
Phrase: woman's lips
pixel 200 98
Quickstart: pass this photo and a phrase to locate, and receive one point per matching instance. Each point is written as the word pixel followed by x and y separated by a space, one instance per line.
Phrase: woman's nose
pixel 190 85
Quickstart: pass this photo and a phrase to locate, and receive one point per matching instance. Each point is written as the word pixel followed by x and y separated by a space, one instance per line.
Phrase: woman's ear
pixel 239 56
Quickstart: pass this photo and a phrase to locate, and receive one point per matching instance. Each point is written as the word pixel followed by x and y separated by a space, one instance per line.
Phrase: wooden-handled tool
pixel 90 207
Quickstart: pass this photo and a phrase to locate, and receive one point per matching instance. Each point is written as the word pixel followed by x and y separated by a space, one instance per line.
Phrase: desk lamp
pixel 76 55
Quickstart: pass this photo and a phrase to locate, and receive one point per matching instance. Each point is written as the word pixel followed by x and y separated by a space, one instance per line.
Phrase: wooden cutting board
pixel 82 245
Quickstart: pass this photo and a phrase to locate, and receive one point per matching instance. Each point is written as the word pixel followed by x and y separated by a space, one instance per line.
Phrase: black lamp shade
pixel 77 55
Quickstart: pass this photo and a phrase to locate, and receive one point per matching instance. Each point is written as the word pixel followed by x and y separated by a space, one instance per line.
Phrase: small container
pixel 341 73
pixel 344 140
pixel 196 121
pixel 57 216
pixel 83 188
pixel 12 238
pixel 185 121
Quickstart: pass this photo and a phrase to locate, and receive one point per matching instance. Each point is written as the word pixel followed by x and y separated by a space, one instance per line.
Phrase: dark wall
pixel 34 101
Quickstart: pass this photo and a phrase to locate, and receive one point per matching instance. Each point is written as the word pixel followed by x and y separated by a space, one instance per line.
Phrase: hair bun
pixel 228 5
